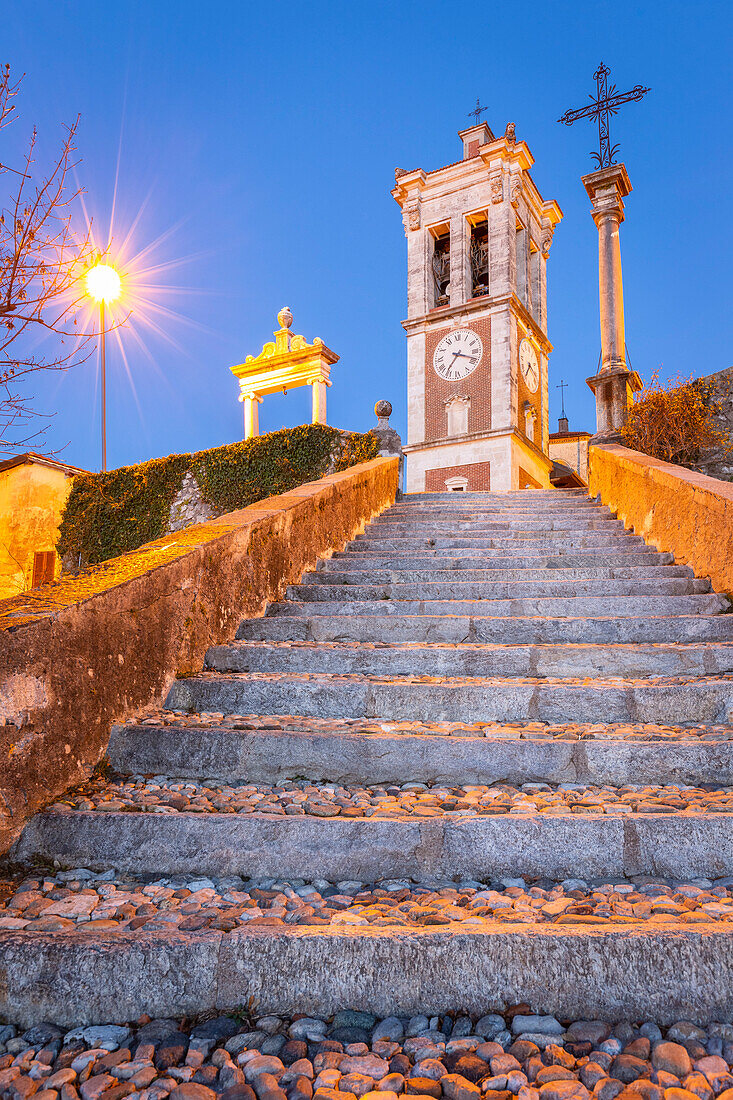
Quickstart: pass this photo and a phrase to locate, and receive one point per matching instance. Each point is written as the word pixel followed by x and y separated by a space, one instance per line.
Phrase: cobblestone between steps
pixel 161 794
pixel 572 731
pixel 531 730
pixel 327 678
pixel 108 902
pixel 353 1055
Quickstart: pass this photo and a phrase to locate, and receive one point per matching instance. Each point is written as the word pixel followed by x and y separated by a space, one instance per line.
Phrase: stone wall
pixel 680 511
pixel 718 461
pixel 87 651
pixel 189 506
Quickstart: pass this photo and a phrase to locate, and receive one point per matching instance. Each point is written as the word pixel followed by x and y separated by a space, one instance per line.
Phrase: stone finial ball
pixel 285 317
pixel 383 409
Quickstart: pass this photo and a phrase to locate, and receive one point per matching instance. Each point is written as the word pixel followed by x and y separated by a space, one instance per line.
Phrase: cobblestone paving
pixel 462 681
pixel 107 902
pixel 160 794
pixel 354 1055
pixel 576 731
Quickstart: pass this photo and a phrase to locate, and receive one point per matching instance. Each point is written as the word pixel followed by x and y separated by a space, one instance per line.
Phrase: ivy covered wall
pixel 110 513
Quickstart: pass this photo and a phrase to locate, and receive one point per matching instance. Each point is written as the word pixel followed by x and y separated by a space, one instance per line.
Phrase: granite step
pixel 461 590
pixel 274 749
pixel 490 514
pixel 504 502
pixel 502 630
pixel 492 559
pixel 475 659
pixel 500 497
pixel 517 606
pixel 554 541
pixel 403 507
pixel 386 525
pixel 557 846
pixel 475 571
pixel 639 971
pixel 413 514
pixel 685 701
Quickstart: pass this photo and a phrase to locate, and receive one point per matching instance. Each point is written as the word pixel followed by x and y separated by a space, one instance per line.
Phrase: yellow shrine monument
pixel 288 362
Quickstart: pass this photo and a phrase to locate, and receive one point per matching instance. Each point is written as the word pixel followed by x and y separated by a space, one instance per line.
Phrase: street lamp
pixel 103 285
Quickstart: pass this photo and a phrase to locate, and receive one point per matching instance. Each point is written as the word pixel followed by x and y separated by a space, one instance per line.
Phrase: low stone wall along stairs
pixel 482 756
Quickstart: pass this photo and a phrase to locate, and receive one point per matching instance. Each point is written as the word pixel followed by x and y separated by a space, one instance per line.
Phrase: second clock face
pixel 458 354
pixel 530 365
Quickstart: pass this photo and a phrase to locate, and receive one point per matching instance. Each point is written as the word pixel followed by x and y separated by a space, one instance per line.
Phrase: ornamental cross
pixel 477 111
pixel 562 387
pixel 606 103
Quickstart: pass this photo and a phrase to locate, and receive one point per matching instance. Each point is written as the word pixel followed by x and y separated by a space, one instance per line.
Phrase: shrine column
pixel 615 384
pixel 319 401
pixel 251 415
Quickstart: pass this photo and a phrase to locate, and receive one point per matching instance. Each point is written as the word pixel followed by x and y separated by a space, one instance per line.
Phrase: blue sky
pixel 260 141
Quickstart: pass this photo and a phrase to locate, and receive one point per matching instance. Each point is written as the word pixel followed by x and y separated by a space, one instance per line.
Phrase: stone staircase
pixel 503 700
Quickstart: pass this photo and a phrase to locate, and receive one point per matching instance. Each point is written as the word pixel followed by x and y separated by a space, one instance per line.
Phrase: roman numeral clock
pixel 458 354
pixel 478 237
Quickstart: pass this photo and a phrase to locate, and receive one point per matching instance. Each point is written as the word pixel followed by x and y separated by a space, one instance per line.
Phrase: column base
pixel 614 391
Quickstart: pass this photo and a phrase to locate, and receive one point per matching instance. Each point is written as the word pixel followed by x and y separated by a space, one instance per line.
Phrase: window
pixel 456 408
pixel 441 270
pixel 530 416
pixel 479 259
pixel 44 566
pixel 521 253
pixel 534 265
pixel 456 484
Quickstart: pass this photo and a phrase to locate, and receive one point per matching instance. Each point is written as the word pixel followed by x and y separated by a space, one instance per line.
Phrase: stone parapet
pixel 674 509
pixel 87 651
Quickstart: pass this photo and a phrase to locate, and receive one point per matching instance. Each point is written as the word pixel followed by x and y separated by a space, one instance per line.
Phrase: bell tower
pixel 478 237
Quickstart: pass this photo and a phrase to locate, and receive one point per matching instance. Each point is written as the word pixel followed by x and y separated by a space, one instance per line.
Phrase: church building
pixel 478 237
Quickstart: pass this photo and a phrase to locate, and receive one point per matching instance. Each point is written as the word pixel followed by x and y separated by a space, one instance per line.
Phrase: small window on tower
pixel 457 408
pixel 479 259
pixel 530 416
pixel 441 269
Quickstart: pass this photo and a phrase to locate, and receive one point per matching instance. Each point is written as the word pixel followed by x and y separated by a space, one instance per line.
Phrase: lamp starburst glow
pixel 103 283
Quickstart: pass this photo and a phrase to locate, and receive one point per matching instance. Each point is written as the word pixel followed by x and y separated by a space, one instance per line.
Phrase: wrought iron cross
pixel 477 111
pixel 607 102
pixel 562 387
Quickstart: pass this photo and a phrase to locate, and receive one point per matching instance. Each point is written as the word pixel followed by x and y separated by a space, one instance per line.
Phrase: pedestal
pixel 614 391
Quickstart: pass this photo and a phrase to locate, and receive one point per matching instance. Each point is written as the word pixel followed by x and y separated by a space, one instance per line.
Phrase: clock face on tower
pixel 458 354
pixel 529 365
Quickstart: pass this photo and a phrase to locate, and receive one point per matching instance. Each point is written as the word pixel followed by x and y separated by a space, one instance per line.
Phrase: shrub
pixel 111 513
pixel 674 421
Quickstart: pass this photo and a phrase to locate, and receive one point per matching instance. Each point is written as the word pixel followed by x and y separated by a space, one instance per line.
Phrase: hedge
pixel 110 513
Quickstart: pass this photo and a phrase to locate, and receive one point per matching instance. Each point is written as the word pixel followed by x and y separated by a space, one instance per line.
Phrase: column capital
pixel 607 188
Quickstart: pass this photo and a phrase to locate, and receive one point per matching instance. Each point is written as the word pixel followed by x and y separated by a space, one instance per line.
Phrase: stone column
pixel 319 401
pixel 615 384
pixel 459 260
pixel 251 415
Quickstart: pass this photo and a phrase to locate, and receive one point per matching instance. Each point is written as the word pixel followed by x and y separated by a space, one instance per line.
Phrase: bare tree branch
pixel 42 264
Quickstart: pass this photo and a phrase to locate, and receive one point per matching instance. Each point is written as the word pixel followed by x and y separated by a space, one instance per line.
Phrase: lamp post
pixel 103 285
